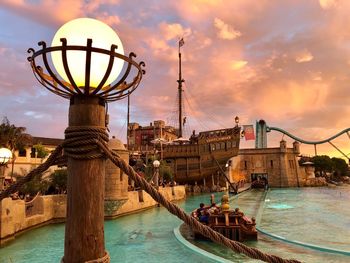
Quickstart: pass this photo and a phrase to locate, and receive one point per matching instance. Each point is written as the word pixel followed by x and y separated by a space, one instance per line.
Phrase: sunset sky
pixel 287 62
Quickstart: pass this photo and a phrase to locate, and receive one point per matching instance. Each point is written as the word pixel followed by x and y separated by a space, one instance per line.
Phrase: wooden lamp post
pixel 89 72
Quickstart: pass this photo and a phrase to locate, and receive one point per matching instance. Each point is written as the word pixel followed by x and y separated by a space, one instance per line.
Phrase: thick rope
pixel 80 142
pixel 191 221
pixel 32 174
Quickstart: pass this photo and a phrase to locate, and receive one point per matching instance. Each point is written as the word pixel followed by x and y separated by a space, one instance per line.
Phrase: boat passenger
pixel 214 209
pixel 202 213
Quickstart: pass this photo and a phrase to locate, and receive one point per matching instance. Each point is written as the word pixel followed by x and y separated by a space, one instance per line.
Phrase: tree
pixel 323 164
pixel 41 151
pixel 32 187
pixel 59 180
pixel 340 166
pixel 13 138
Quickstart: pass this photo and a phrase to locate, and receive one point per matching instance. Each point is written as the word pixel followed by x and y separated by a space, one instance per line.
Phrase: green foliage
pixel 58 179
pixel 42 152
pixel 165 171
pixel 324 163
pixel 34 186
pixel 340 167
pixel 13 137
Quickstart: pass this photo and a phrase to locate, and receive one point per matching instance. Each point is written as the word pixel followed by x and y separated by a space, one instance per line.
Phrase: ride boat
pixel 233 224
pixel 259 183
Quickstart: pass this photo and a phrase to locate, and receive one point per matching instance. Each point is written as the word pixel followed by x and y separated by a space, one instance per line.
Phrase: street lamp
pixel 5 156
pixel 89 72
pixel 236 120
pixel 156 165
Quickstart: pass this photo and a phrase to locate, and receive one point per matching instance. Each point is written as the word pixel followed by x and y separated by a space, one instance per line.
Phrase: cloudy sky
pixel 287 62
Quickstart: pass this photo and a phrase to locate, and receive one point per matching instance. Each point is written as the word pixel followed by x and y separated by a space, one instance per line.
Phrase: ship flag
pixel 248 132
pixel 181 42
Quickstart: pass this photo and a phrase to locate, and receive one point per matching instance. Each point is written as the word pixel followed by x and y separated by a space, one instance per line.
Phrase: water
pixel 320 216
pixel 143 237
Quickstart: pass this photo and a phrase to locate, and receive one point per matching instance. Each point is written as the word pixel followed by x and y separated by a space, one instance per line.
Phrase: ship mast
pixel 180 80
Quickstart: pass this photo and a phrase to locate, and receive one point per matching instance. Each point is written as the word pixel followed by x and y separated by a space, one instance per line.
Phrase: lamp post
pixel 227 183
pixel 156 165
pixel 89 72
pixel 5 156
pixel 237 121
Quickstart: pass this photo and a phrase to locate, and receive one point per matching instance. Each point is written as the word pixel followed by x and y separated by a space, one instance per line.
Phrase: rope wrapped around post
pixel 80 142
pixel 192 222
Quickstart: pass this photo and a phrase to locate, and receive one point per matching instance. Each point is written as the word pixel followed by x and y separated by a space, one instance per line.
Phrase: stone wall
pixel 18 216
pixel 280 164
pixel 140 200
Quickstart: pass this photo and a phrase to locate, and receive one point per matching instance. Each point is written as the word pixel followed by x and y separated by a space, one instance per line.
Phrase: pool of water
pixel 141 237
pixel 319 216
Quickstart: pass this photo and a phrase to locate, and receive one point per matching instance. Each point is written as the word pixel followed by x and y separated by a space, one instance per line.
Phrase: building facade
pixel 278 165
pixel 27 159
pixel 140 137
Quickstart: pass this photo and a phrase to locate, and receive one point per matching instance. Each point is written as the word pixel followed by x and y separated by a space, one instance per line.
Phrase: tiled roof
pixel 47 141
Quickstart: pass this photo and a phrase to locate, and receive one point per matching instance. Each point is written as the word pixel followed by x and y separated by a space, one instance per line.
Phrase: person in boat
pixel 202 213
pixel 214 209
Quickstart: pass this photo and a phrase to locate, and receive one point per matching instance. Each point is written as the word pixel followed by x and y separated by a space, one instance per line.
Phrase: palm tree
pixel 14 138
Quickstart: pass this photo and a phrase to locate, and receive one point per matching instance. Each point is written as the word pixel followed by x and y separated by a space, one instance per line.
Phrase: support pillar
pixel 84 233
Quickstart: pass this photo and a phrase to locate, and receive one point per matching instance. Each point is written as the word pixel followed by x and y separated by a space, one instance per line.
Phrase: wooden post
pixel 84 234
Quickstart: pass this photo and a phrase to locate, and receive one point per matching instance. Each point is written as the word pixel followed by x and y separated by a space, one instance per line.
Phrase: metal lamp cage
pixel 126 83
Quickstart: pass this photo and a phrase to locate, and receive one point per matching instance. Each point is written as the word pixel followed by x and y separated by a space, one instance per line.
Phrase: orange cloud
pixel 327 4
pixel 304 56
pixel 225 31
pixel 238 64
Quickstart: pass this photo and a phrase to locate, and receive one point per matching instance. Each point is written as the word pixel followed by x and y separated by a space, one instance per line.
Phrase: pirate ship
pixel 204 154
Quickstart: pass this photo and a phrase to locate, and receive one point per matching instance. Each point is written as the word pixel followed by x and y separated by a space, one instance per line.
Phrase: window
pixel 245 165
pixel 229 145
pixel 22 153
pixel 271 163
pixel 32 153
pixel 222 146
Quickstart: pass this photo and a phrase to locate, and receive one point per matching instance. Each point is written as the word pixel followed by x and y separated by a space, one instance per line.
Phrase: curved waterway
pixel 318 216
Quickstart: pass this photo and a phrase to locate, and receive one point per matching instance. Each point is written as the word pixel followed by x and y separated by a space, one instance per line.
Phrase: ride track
pixel 269 129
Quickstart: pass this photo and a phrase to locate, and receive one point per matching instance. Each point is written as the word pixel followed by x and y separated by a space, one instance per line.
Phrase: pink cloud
pixel 225 31
pixel 255 75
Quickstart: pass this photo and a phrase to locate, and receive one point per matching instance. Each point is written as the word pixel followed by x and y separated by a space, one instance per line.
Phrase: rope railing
pixel 81 143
